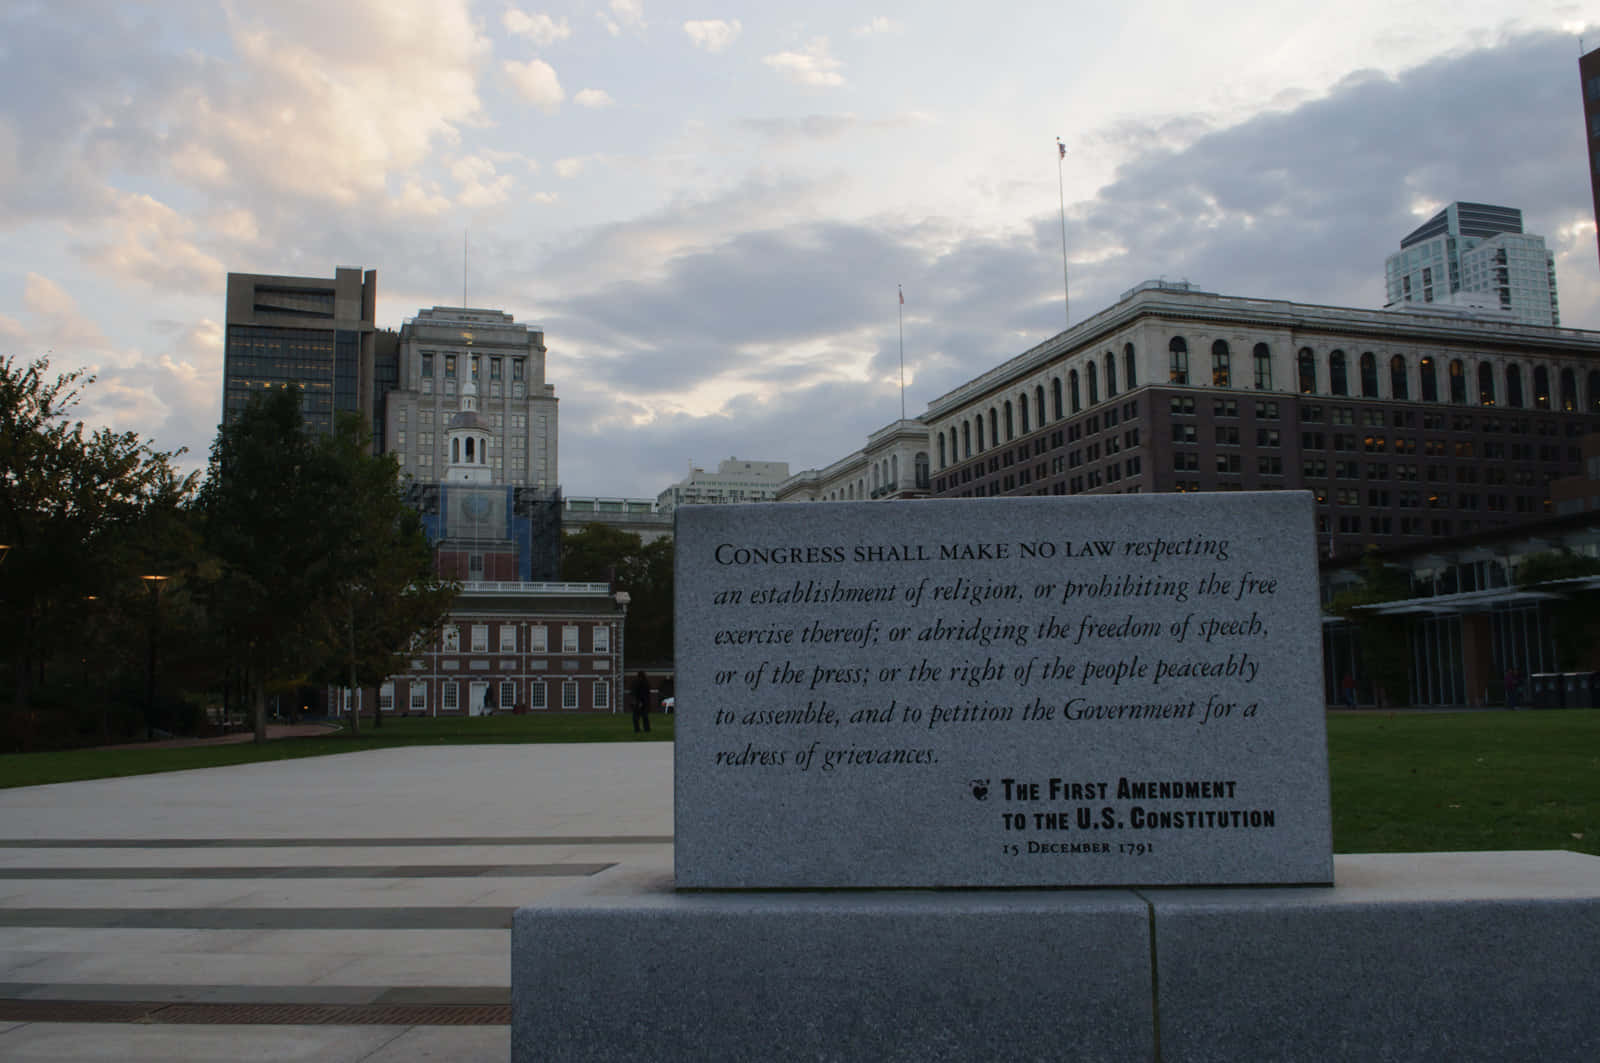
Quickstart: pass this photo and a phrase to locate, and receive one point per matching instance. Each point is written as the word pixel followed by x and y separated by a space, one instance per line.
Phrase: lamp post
pixel 622 599
pixel 152 584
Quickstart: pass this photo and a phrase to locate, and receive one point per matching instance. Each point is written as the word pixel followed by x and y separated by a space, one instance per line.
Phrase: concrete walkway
pixel 353 907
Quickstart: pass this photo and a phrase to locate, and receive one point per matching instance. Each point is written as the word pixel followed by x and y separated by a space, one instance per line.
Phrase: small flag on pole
pixel 902 297
pixel 1062 148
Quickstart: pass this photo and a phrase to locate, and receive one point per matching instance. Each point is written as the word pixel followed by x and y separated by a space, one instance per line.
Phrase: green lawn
pixel 32 769
pixel 1409 782
pixel 1438 782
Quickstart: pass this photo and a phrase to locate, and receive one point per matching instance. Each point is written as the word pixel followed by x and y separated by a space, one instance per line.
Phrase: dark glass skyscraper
pixel 311 331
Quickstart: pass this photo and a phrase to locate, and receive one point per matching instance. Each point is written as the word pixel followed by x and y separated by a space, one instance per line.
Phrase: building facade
pixel 450 357
pixel 734 481
pixel 318 333
pixel 511 646
pixel 637 516
pixel 1476 254
pixel 1404 426
pixel 893 464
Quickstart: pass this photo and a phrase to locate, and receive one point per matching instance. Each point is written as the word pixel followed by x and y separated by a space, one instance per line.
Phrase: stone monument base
pixel 1432 956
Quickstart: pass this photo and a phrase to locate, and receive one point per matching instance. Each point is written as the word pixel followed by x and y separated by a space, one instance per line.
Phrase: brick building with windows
pixel 1405 425
pixel 510 645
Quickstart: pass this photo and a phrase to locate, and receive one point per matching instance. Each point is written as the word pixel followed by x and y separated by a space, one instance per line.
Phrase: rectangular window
pixel 602 694
pixel 516 369
pixel 569 639
pixel 427 363
pixel 494 369
pixel 449 367
pixel 602 639
pixel 386 696
pixel 480 638
pixel 419 698
pixel 508 695
pixel 569 695
pixel 448 700
pixel 508 638
pixel 536 694
pixel 538 639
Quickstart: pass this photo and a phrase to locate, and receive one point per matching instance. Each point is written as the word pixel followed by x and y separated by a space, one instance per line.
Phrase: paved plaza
pixel 341 908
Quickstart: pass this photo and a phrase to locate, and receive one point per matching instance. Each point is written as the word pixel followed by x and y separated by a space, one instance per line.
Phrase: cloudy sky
pixel 708 207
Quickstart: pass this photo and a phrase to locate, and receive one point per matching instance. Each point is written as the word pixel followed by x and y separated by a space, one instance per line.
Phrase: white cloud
pixel 713 35
pixel 419 201
pixel 814 66
pixel 545 197
pixel 625 15
pixel 292 88
pixel 539 28
pixel 537 83
pixel 593 98
pixel 478 183
pixel 569 168
pixel 878 24
pixel 150 243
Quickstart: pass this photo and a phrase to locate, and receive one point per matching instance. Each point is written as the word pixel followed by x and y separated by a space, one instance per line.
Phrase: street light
pixel 622 599
pixel 153 584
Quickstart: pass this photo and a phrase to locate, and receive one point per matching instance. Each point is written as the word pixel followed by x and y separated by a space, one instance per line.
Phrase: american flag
pixel 1061 148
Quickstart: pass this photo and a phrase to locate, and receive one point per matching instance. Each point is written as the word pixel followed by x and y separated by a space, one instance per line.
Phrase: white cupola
pixel 469 441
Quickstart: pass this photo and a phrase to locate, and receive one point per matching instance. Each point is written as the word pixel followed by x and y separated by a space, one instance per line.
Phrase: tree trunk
pixel 355 707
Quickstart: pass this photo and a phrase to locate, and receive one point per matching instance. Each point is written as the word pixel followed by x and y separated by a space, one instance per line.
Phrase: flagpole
pixel 1061 191
pixel 902 292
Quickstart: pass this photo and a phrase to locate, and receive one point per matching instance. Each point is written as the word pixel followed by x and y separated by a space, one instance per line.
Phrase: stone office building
pixel 1405 425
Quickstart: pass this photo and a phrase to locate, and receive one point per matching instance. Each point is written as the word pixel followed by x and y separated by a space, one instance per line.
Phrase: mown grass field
pixel 1402 782
pixel 1441 782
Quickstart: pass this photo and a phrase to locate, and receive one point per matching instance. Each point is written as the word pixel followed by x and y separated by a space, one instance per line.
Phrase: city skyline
pixel 715 271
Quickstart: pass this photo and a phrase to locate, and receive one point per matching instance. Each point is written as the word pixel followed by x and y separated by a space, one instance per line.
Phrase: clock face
pixel 476 506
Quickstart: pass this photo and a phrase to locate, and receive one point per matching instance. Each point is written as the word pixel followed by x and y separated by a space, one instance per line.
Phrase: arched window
pixel 1263 360
pixel 921 465
pixel 1594 391
pixel 483 451
pixel 469 450
pixel 1430 380
pixel 980 433
pixel 1094 383
pixel 875 483
pixel 1072 386
pixel 1337 384
pixel 1111 374
pixel 941 450
pixel 1022 405
pixel 455 452
pixel 1038 405
pixel 994 428
pixel 894 469
pixel 1055 397
pixel 1369 375
pixel 1485 384
pixel 1399 384
pixel 1514 386
pixel 1458 381
pixel 1541 388
pixel 1010 428
pixel 1220 368
pixel 1130 378
pixel 1308 371
pixel 1179 371
pixel 966 439
pixel 1569 391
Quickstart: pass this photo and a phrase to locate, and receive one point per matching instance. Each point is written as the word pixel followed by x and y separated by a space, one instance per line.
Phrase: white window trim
pixel 569 638
pixel 449 691
pixel 536 692
pixel 508 638
pixel 602 694
pixel 601 637
pixel 419 697
pixel 569 694
pixel 539 639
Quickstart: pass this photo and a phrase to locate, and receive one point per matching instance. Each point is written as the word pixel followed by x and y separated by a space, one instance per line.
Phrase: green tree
pixel 77 509
pixel 266 506
pixel 1575 622
pixel 601 553
pixel 1384 640
pixel 384 584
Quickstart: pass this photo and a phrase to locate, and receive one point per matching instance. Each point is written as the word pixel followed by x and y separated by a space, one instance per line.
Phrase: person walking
pixel 641 702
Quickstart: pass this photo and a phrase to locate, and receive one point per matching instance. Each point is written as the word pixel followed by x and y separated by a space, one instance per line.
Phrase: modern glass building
pixel 314 332
pixel 1476 256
